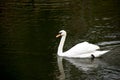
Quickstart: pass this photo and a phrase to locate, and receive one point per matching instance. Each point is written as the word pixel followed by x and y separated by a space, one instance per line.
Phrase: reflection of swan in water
pixel 81 64
pixel 85 64
pixel 61 69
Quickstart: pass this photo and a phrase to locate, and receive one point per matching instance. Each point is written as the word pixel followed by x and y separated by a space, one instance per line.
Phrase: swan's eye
pixel 60 32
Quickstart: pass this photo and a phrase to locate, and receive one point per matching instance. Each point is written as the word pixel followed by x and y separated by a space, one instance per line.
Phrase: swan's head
pixel 61 33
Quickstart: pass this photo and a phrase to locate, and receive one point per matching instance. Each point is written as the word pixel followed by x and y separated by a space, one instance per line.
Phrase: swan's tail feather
pixel 100 53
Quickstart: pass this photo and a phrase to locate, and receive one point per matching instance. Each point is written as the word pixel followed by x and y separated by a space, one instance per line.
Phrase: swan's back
pixel 82 48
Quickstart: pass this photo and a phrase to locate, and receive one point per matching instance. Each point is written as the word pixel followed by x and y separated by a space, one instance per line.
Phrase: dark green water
pixel 28 45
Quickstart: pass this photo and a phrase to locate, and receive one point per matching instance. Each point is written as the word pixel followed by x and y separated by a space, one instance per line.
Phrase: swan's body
pixel 81 50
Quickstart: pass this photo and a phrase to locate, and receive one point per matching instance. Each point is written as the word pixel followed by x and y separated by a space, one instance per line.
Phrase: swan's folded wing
pixel 81 48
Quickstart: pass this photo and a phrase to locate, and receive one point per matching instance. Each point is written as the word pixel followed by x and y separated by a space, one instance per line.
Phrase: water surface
pixel 28 44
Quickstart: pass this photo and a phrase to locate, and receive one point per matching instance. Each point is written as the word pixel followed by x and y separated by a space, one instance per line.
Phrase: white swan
pixel 81 50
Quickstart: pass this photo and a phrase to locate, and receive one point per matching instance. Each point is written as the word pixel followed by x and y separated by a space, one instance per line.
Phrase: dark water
pixel 28 44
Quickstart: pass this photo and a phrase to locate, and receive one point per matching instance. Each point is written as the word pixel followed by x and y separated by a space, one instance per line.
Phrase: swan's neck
pixel 60 47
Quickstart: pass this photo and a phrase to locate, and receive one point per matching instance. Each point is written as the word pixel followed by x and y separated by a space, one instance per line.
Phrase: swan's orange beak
pixel 58 35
